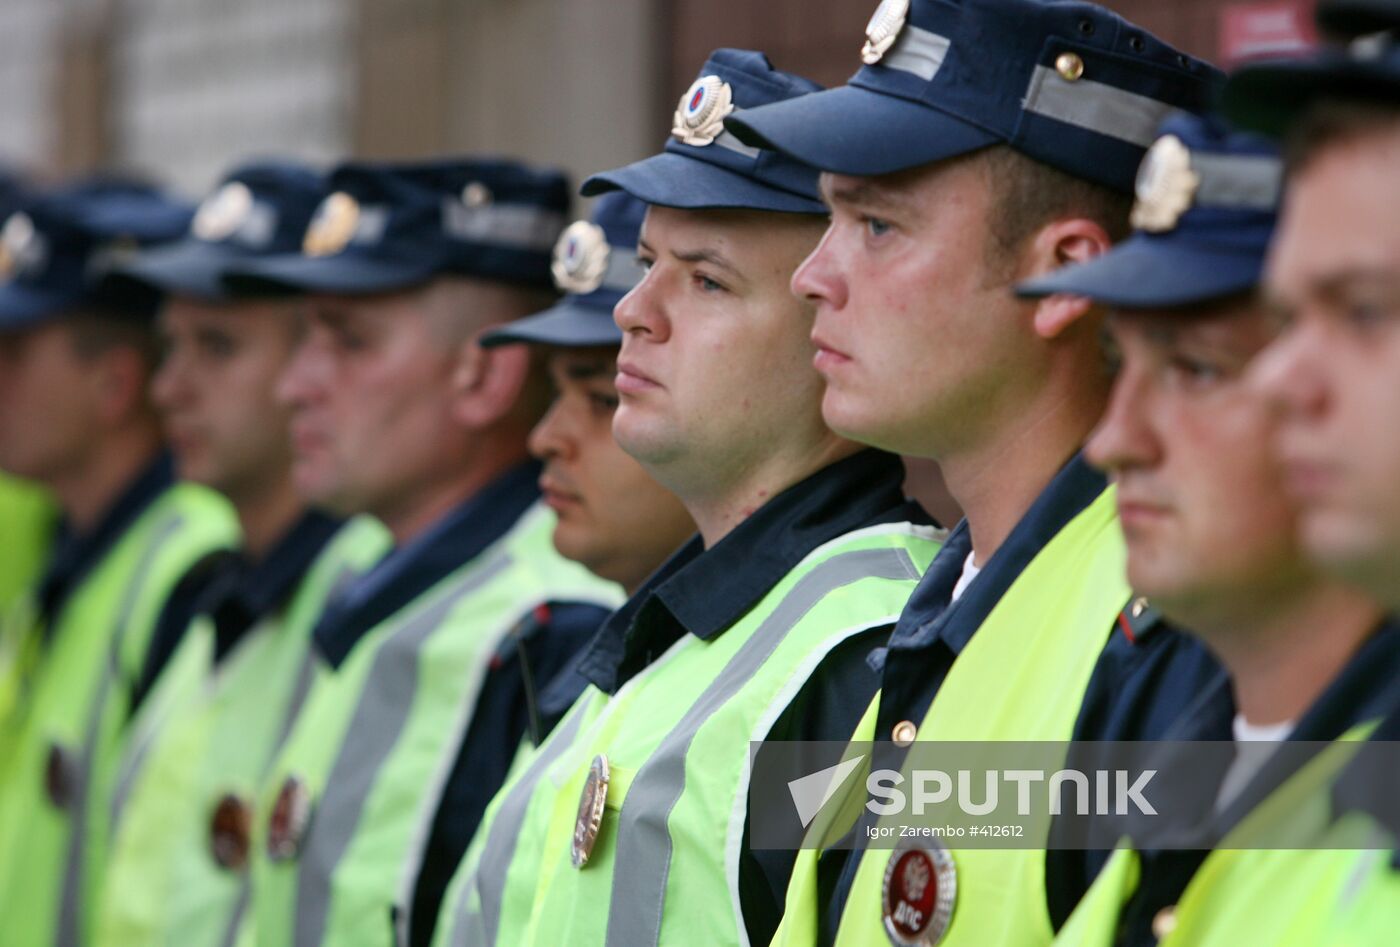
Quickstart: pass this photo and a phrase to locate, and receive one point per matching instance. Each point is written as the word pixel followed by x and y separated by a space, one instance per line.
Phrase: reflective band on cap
pixel 624 272
pixel 516 225
pixel 918 52
pixel 1238 181
pixel 1095 106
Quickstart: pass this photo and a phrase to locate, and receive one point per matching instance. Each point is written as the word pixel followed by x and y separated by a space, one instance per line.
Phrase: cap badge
pixel 230 828
pixel 920 891
pixel 580 258
pixel 333 225
pixel 1166 186
pixel 477 194
pixel 291 814
pixel 223 212
pixel 591 803
pixel 883 29
pixel 21 247
pixel 699 117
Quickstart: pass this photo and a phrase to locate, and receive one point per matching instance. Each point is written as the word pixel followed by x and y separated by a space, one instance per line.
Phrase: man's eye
pixel 603 403
pixel 707 285
pixel 1194 371
pixel 644 262
pixel 876 227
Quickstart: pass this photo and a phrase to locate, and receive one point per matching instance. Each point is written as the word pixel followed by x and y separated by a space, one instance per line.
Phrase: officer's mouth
pixel 631 380
pixel 826 357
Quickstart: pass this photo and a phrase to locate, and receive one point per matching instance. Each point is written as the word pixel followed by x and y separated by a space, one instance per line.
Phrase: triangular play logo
pixel 812 792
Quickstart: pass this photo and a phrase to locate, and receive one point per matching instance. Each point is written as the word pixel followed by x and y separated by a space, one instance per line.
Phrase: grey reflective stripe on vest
pixel 69 906
pixel 499 850
pixel 1238 181
pixel 918 52
pixel 1095 106
pixel 642 863
pixel 380 716
pixel 300 690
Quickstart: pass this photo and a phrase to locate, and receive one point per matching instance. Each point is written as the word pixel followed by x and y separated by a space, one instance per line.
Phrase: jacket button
pixel 904 733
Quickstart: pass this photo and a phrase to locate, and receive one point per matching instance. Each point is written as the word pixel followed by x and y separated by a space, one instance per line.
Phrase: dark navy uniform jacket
pixel 1141 684
pixel 506 706
pixel 704 592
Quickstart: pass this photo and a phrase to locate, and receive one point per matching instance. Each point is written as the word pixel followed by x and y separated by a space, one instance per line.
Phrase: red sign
pixel 1251 31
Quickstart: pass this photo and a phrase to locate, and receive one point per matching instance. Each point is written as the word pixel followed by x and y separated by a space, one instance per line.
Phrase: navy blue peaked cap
pixel 260 209
pixel 705 167
pixel 1206 207
pixel 56 250
pixel 1069 84
pixel 595 264
pixel 1270 96
pixel 393 226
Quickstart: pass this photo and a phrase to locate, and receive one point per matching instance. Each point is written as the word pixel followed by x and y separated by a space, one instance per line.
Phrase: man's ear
pixel 1063 243
pixel 487 382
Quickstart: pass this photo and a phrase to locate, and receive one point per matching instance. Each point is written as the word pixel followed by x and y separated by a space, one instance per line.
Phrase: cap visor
pixel 672 180
pixel 23 307
pixel 1152 273
pixel 1269 97
pixel 189 268
pixel 850 130
pixel 344 274
pixel 566 325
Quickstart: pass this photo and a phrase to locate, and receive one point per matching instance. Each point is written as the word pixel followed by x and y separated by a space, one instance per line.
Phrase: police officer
pixel 75 415
pixel 216 713
pixel 418 700
pixel 982 144
pixel 1335 368
pixel 630 826
pixel 1211 536
pixel 612 516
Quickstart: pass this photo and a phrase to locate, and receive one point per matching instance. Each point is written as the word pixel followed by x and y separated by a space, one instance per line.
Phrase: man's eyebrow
pixel 1337 284
pixel 710 256
pixel 858 193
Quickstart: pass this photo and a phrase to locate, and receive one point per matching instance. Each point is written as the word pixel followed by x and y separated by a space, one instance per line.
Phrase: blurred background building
pixel 178 89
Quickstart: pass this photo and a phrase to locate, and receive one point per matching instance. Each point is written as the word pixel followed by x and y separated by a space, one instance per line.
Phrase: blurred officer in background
pixel 983 144
pixel 612 516
pixel 75 362
pixel 1334 372
pixel 631 824
pixel 420 693
pixel 27 519
pixel 1212 539
pixel 216 714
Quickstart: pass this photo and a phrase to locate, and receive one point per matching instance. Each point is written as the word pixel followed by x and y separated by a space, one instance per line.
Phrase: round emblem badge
pixel 286 827
pixel 60 776
pixel 1166 186
pixel 580 258
pixel 920 891
pixel 332 226
pixel 699 117
pixel 884 28
pixel 223 212
pixel 591 803
pixel 19 245
pixel 230 828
